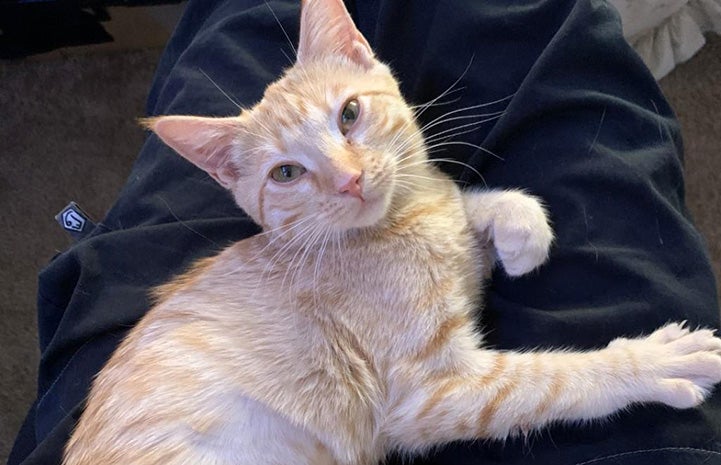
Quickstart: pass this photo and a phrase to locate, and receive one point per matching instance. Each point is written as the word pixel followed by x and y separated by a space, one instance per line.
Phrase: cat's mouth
pixel 367 209
pixel 365 201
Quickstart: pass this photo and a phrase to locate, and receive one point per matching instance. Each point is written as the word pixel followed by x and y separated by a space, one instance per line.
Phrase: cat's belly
pixel 253 434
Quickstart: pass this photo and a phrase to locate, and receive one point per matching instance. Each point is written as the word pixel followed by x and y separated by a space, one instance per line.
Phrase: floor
pixel 132 28
pixel 67 89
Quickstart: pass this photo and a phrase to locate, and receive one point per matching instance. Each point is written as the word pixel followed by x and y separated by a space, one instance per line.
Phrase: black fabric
pixel 585 127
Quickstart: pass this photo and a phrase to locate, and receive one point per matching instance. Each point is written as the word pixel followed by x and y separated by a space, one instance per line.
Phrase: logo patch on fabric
pixel 74 220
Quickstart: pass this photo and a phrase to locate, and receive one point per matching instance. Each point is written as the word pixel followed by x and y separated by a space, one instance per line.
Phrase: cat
pixel 345 330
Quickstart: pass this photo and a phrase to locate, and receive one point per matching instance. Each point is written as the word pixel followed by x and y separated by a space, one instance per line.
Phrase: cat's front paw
pixel 522 235
pixel 678 367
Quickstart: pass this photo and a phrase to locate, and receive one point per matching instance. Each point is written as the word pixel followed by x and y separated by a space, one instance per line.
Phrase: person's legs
pixel 583 126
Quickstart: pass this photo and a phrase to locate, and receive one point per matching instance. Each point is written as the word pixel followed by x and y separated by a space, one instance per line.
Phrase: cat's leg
pixel 498 394
pixel 515 222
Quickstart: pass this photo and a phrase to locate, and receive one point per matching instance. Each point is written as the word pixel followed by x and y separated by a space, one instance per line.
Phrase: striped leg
pixel 506 393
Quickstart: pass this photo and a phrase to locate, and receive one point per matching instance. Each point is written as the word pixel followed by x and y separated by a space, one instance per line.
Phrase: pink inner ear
pixel 205 142
pixel 326 28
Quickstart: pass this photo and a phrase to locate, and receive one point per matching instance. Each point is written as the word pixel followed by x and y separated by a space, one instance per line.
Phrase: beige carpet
pixel 68 133
pixel 694 90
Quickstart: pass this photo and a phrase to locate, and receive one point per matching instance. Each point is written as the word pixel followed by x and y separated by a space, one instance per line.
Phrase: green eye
pixel 349 115
pixel 286 173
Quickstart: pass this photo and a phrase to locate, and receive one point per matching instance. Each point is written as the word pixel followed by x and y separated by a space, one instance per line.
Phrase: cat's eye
pixel 287 173
pixel 348 115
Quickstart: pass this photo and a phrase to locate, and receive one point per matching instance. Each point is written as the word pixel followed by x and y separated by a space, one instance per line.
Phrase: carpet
pixel 68 132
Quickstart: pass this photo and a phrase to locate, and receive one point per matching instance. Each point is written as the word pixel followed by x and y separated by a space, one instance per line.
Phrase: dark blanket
pixel 585 127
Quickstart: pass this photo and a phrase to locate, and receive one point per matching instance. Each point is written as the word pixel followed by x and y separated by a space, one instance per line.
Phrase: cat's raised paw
pixel 522 235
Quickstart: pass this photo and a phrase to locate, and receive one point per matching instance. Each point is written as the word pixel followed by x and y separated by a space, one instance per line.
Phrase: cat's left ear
pixel 326 28
pixel 205 142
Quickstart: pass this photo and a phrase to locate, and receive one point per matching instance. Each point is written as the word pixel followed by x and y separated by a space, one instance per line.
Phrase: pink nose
pixel 352 185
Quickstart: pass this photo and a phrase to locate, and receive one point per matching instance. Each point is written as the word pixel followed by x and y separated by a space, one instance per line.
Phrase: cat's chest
pixel 375 288
pixel 382 289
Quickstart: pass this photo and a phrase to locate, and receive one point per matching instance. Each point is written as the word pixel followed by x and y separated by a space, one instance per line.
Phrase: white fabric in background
pixel 668 32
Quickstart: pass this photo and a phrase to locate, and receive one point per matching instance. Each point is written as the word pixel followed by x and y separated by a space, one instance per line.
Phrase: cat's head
pixel 327 141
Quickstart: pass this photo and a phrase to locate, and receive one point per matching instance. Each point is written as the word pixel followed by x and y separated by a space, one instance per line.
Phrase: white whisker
pixel 318 261
pixel 285 230
pixel 307 249
pixel 444 117
pixel 279 254
pixel 490 117
pixel 430 103
pixel 414 144
pixel 292 47
pixel 467 144
pixel 447 160
pixel 445 92
pixel 221 90
pixel 299 239
pixel 184 224
pixel 475 125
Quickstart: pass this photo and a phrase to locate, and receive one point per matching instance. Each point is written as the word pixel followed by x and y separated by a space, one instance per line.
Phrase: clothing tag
pixel 75 221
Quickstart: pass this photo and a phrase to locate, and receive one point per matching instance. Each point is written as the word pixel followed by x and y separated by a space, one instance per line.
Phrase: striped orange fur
pixel 346 329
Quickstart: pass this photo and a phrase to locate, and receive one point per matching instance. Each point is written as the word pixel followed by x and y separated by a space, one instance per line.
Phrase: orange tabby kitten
pixel 346 329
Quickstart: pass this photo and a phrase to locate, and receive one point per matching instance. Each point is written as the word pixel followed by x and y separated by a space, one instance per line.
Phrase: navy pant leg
pixel 587 130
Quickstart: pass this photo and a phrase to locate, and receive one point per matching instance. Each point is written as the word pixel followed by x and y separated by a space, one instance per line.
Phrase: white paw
pixel 521 234
pixel 679 367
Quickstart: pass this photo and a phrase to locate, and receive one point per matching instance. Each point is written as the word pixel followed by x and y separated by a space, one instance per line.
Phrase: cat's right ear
pixel 206 142
pixel 326 28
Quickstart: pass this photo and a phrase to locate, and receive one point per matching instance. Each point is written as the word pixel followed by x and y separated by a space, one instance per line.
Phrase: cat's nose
pixel 352 185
